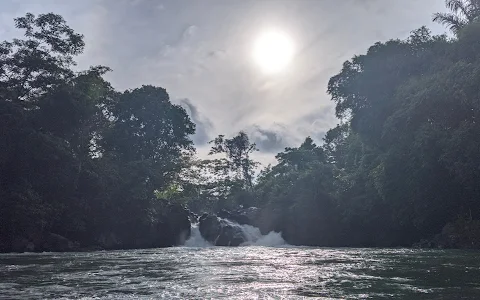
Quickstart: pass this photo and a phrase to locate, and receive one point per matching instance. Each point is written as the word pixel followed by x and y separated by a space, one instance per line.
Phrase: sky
pixel 201 52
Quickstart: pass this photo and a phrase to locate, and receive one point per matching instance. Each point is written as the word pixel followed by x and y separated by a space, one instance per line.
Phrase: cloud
pixel 201 50
pixel 269 140
pixel 203 124
pixel 190 31
pixel 219 54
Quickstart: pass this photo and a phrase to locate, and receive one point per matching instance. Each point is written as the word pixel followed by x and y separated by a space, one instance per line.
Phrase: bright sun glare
pixel 273 50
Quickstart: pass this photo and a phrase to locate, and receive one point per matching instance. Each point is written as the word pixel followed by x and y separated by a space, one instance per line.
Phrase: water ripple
pixel 242 273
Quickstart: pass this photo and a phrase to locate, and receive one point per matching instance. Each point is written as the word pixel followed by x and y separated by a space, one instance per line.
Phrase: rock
pixel 243 216
pixel 220 232
pixel 210 227
pixel 168 225
pixel 178 225
pixel 22 244
pixel 46 242
pixel 91 249
pixel 269 219
pixel 461 234
pixel 109 241
pixel 252 213
pixel 236 216
pixel 193 217
pixel 230 235
pixel 56 243
pixel 5 246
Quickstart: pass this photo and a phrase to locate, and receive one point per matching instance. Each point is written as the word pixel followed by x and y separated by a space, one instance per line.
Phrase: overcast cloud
pixel 200 51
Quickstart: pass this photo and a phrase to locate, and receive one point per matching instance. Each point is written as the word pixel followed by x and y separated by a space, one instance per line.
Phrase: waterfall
pixel 253 237
pixel 196 239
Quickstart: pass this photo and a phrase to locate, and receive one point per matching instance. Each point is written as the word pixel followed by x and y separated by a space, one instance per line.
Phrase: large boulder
pixel 267 219
pixel 237 216
pixel 168 225
pixel 44 242
pixel 177 221
pixel 243 216
pixel 193 217
pixel 461 234
pixel 56 243
pixel 109 240
pixel 20 245
pixel 210 227
pixel 220 232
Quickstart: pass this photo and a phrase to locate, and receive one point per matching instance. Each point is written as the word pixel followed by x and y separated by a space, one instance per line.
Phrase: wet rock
pixel 269 219
pixel 56 243
pixel 230 235
pixel 178 225
pixel 22 244
pixel 193 217
pixel 210 227
pixel 242 216
pixel 461 234
pixel 235 216
pixel 220 232
pixel 46 242
pixel 109 241
pixel 170 226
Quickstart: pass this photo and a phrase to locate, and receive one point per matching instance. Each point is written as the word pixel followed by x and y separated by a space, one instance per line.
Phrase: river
pixel 252 272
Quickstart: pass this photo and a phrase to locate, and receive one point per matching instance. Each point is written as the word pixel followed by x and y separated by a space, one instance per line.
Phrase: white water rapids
pixel 252 235
pixel 240 273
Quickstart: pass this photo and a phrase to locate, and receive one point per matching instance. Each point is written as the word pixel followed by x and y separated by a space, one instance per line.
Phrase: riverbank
pixel 461 234
pixel 229 228
pixel 169 225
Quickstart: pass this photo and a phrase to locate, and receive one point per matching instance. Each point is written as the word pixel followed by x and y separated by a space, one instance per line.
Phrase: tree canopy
pixel 100 166
pixel 463 12
pixel 78 158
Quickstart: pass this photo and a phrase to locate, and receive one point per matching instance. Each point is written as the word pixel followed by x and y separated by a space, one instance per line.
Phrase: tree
pixel 209 185
pixel 78 158
pixel 463 12
pixel 237 150
pixel 303 157
pixel 31 67
pixel 147 128
pixel 30 70
pixel 403 162
pixel 297 194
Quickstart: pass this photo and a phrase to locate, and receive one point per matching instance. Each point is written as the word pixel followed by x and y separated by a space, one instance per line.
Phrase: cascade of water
pixel 252 235
pixel 272 239
pixel 196 239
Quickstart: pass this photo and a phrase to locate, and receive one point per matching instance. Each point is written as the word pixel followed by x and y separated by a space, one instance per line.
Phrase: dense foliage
pixel 404 160
pixel 78 158
pixel 102 167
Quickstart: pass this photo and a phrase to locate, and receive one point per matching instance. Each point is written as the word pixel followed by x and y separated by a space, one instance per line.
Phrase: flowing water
pixel 265 268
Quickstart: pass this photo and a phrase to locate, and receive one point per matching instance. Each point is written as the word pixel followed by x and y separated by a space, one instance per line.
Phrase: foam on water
pixel 196 239
pixel 252 234
pixel 242 273
pixel 272 239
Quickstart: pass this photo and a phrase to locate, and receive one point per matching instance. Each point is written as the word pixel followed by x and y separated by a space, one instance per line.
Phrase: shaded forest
pixel 83 165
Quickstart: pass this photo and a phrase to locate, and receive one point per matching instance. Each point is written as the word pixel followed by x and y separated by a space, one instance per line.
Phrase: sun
pixel 273 50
